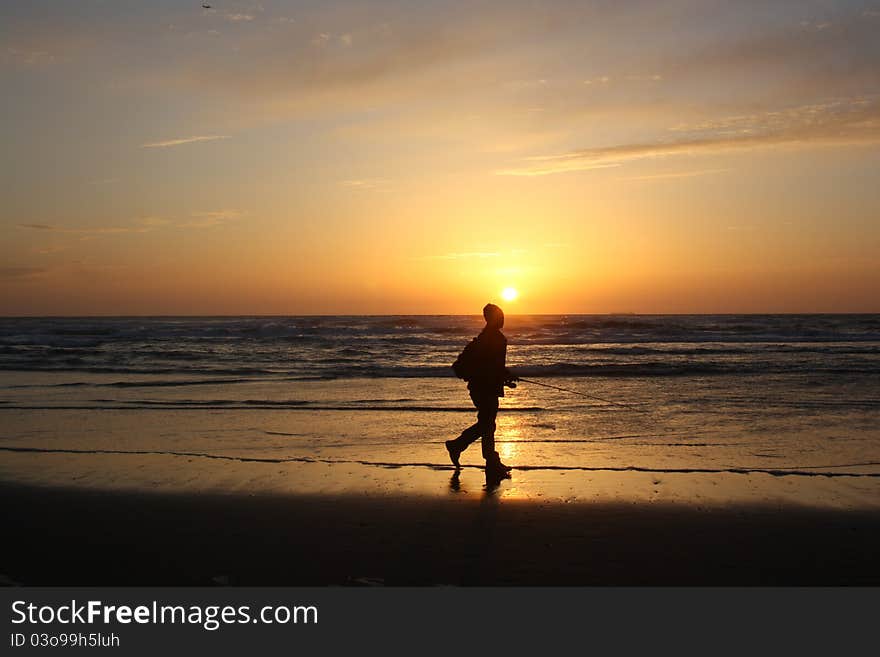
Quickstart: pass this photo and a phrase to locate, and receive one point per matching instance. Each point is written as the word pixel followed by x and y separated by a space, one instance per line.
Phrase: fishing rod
pixel 582 394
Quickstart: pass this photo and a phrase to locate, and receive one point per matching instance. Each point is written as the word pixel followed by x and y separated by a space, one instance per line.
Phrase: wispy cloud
pixel 632 77
pixel 325 38
pixel 543 165
pixel 154 222
pixel 462 256
pixel 204 219
pixel 676 174
pixel 49 250
pixel 39 226
pixel 850 121
pixel 21 273
pixel 183 140
pixel 330 59
pixel 91 232
pixel 210 218
pixel 320 39
pixel 30 57
pixel 365 183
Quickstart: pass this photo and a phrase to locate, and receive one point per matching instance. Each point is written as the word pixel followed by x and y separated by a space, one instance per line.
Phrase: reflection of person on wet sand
pixel 493 480
pixel 482 365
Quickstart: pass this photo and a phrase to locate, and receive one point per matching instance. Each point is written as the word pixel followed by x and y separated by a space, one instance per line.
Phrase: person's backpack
pixel 465 366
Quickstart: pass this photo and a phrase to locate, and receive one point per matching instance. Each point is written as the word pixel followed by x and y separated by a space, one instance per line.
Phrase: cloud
pixel 89 233
pixel 183 140
pixel 426 59
pixel 210 218
pixel 145 224
pixel 834 58
pixel 30 57
pixel 426 68
pixel 429 53
pixel 677 174
pixel 845 122
pixel 320 39
pixel 49 250
pixel 364 55
pixel 21 273
pixel 154 222
pixel 39 226
pixel 462 256
pixel 365 183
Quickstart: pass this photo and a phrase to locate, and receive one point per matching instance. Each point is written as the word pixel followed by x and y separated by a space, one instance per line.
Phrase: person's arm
pixel 510 378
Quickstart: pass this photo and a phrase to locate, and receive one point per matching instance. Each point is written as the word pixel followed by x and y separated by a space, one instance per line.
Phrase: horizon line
pixel 475 314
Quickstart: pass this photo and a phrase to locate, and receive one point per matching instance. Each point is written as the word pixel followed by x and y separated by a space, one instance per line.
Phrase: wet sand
pixel 78 536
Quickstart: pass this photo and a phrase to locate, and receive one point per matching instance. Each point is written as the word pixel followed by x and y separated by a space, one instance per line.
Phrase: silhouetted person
pixel 482 365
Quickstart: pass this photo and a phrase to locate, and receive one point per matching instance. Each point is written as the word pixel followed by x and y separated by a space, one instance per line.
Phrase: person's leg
pixel 487 411
pixel 468 436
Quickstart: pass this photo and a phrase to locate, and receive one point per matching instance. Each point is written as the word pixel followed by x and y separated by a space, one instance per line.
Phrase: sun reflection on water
pixel 509 438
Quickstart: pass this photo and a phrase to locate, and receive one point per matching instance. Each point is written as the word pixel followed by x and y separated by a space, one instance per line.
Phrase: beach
pixel 744 450
pixel 57 536
pixel 155 519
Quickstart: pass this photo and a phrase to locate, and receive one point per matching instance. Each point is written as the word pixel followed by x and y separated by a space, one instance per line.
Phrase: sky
pixel 415 157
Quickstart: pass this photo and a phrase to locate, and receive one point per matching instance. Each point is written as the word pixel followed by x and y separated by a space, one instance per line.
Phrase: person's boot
pixel 454 452
pixel 495 466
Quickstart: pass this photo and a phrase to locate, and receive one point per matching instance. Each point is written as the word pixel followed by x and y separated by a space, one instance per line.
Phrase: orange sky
pixel 387 157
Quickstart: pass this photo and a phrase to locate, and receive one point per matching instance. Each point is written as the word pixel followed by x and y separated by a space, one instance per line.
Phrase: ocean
pixel 784 397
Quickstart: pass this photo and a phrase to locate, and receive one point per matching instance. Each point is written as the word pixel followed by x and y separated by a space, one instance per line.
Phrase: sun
pixel 509 294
